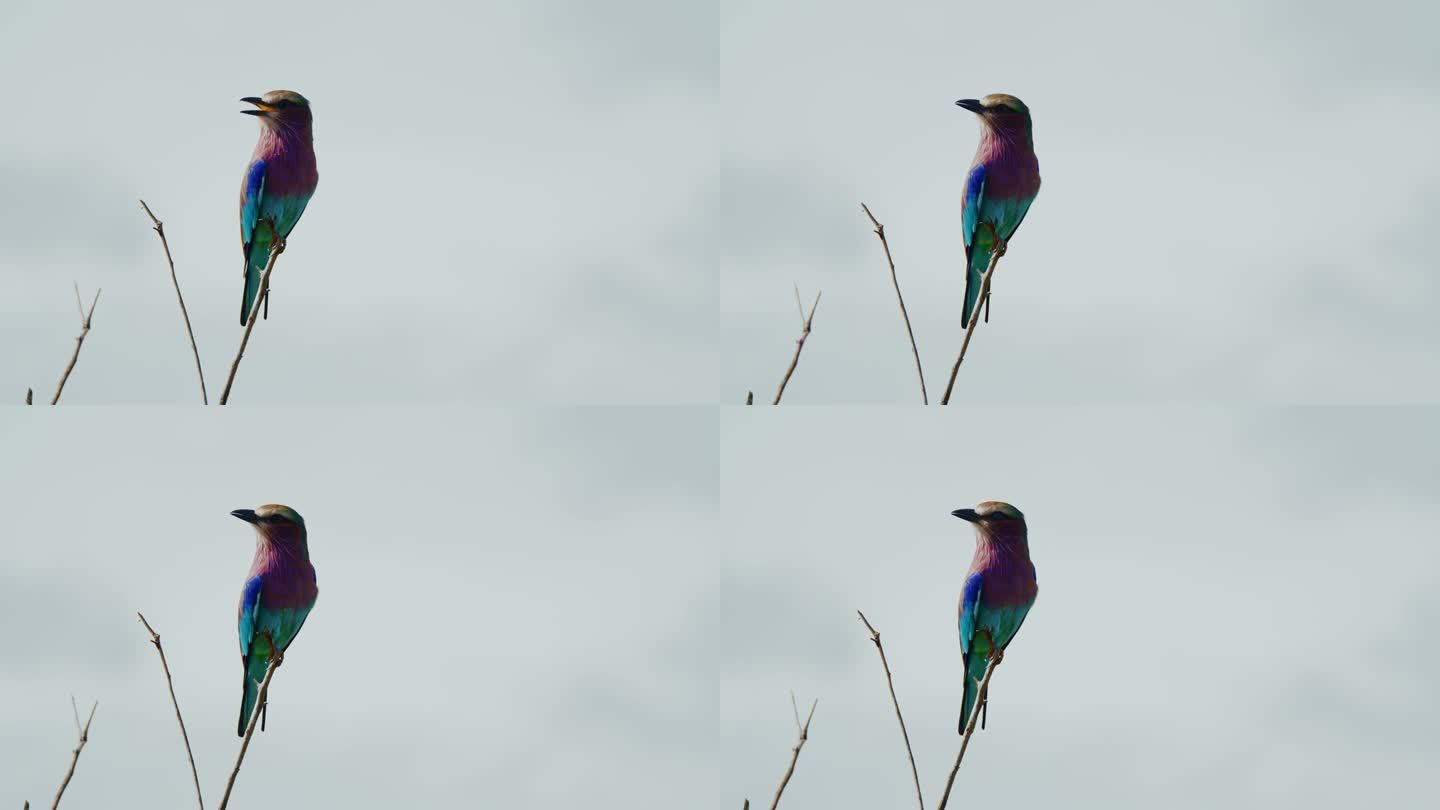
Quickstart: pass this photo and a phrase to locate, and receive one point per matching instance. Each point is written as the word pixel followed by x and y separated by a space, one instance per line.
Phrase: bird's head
pixel 280 110
pixel 274 522
pixel 999 112
pixel 995 520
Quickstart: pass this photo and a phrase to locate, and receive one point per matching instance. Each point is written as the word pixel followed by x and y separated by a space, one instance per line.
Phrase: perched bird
pixel 278 183
pixel 998 592
pixel 279 593
pixel 1003 180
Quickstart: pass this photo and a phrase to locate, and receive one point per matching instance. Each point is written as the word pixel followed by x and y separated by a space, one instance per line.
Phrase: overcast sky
pixel 503 212
pixel 1235 204
pixel 503 612
pixel 547 202
pixel 1235 607
pixel 527 206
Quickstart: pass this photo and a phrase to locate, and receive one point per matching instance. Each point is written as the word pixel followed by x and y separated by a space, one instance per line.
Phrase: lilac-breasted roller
pixel 999 590
pixel 279 593
pixel 1003 180
pixel 278 183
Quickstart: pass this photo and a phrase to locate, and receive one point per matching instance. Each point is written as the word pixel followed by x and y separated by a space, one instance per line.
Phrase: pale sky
pixel 502 214
pixel 551 236
pixel 1234 607
pixel 1235 204
pixel 502 616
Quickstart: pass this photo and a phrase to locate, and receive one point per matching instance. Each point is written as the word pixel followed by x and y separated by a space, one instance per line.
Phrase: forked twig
pixel 84 737
pixel 275 251
pixel 184 313
pixel 980 695
pixel 904 313
pixel 276 659
pixel 806 321
pixel 155 639
pixel 974 316
pixel 915 774
pixel 79 339
pixel 803 735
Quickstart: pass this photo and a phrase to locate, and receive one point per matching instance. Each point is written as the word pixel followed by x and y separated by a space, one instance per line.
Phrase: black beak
pixel 971 104
pixel 257 102
pixel 966 514
pixel 247 515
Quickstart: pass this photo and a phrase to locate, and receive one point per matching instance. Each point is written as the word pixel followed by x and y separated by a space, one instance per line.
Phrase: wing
pixel 249 614
pixel 251 197
pixel 974 198
pixel 969 612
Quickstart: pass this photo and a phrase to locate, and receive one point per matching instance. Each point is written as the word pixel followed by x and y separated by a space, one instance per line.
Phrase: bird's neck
pixel 281 548
pixel 282 138
pixel 1001 545
pixel 1004 141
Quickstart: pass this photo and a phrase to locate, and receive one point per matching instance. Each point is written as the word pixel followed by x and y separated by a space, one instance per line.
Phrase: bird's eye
pixel 282 104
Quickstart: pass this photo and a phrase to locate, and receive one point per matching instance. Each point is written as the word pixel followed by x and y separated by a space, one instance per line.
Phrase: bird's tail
pixel 254 673
pixel 977 260
pixel 254 269
pixel 974 672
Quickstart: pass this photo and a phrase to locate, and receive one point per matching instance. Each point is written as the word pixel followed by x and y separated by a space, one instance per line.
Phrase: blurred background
pixel 1235 606
pixel 502 213
pixel 1234 204
pixel 501 615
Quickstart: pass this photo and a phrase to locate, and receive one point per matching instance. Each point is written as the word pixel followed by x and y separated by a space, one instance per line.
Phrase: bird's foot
pixel 1000 247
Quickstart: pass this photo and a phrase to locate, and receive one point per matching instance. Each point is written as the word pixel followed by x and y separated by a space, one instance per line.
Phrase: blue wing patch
pixel 250 207
pixel 974 198
pixel 969 607
pixel 249 609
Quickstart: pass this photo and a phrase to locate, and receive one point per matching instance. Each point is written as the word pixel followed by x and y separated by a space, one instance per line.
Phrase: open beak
pixel 247 515
pixel 264 109
pixel 971 104
pixel 966 514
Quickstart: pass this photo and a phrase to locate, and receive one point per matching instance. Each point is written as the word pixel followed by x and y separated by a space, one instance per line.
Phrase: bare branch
pixel 799 345
pixel 974 316
pixel 277 658
pixel 79 340
pixel 803 731
pixel 275 251
pixel 919 370
pixel 915 774
pixel 155 639
pixel 980 696
pixel 184 313
pixel 84 737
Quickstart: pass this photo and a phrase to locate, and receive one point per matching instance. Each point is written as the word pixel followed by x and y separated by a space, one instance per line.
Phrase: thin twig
pixel 79 340
pixel 160 229
pixel 276 659
pixel 84 735
pixel 799 344
pixel 803 735
pixel 275 251
pixel 915 350
pixel 875 637
pixel 974 316
pixel 155 639
pixel 980 696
